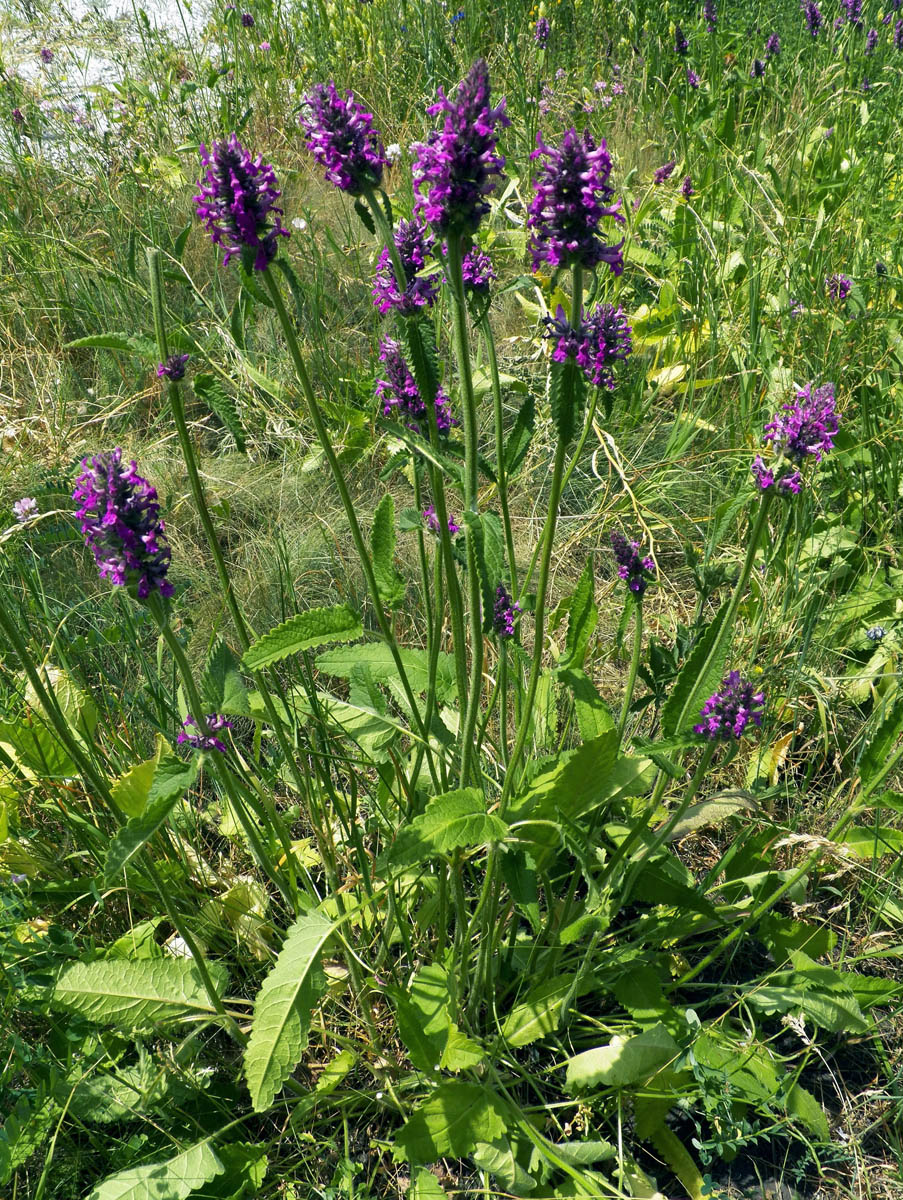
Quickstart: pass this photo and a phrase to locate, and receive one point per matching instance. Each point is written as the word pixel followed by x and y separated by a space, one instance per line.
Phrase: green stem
pixel 501 473
pixel 634 667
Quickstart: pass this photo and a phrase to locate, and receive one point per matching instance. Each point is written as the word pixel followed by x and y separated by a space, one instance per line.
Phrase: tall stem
pixel 501 472
pixel 636 653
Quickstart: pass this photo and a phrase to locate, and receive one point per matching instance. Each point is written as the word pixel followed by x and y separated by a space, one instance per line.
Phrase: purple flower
pixel 838 286
pixel 681 45
pixel 264 46
pixel 710 14
pixel 789 482
pixel 541 32
pixel 236 200
pixel 866 84
pixel 797 308
pixel 757 70
pixel 871 41
pixel 46 55
pixel 414 243
pixel 635 571
pixel 17 116
pixel 662 173
pixel 805 428
pixel 432 521
pixel 341 137
pixel 572 196
pixel 773 46
pixel 120 519
pixel 727 713
pixel 814 19
pixel 399 392
pixel 458 164
pixel 478 271
pixel 600 341
pixel 25 509
pixel 854 12
pixel 247 20
pixel 173 368
pixel 898 35
pixel 503 613
pixel 214 722
pixel 692 78
pixel 686 188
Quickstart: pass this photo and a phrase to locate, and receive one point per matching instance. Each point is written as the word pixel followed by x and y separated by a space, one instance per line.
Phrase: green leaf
pixel 582 619
pixel 566 398
pixel 453 821
pixel 245 1168
pixel 802 1104
pixel 518 440
pixel 461 1053
pixel 624 1061
pixel 869 841
pixel 573 783
pixel 222 685
pixel 132 789
pixel 485 532
pixel 426 1186
pixel 593 714
pixel 537 1014
pixel 389 582
pixel 315 627
pixel 422 1015
pixel 136 994
pixel 110 341
pixel 172 779
pixel 283 1007
pixel 712 812
pixel 173 1179
pixel 211 393
pixel 450 1122
pixel 378 658
pixel 699 677
pixel 877 761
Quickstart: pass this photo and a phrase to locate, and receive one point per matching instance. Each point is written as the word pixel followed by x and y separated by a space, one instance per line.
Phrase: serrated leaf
pixel 132 789
pixel 582 619
pixel 450 1122
pixel 222 685
pixel 283 1007
pixel 315 627
pixel 485 531
pixel 801 1104
pixel 426 1186
pixel 109 341
pixel 378 658
pixel 453 821
pixel 699 677
pixel 712 813
pixel 245 1168
pixel 210 391
pixel 389 582
pixel 461 1053
pixel 518 440
pixel 566 398
pixel 877 759
pixel 537 1014
pixel 593 714
pixel 172 779
pixel 173 1179
pixel 573 783
pixel 136 994
pixel 624 1061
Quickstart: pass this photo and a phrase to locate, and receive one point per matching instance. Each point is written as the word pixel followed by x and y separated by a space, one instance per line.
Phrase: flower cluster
pixel 214 722
pixel 808 426
pixel 541 32
pixel 681 45
pixel 120 519
pixel 504 613
pixel 727 713
pixel 572 196
pixel 478 271
pixel 25 509
pixel 432 521
pixel 414 242
pixel 814 19
pixel 854 12
pixel 458 164
pixel 686 188
pixel 660 174
pixel 838 286
pixel 635 571
pixel 898 35
pixel 595 345
pixel 247 20
pixel 46 55
pixel 757 70
pixel 341 137
pixel 174 367
pixel 236 201
pixel 787 483
pixel 692 78
pixel 399 392
pixel 871 41
pixel 773 46
pixel 710 14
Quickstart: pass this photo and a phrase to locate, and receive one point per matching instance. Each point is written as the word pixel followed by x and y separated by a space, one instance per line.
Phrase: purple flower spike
pixel 727 713
pixel 247 20
pixel 854 12
pixel 710 15
pixel 414 243
pixel 204 741
pixel 599 342
pixel 432 521
pixel 572 196
pixel 635 571
pixel 541 32
pixel 898 35
pixel 17 116
pixel 457 166
pixel 173 368
pixel 838 287
pixel 665 172
pixel 814 19
pixel 757 70
pixel 236 201
pixel 681 45
pixel 120 519
pixel 478 271
pixel 788 483
pixel 807 427
pixel 686 188
pixel 773 46
pixel 692 78
pixel 400 392
pixel 871 41
pixel 46 55
pixel 341 137
pixel 504 613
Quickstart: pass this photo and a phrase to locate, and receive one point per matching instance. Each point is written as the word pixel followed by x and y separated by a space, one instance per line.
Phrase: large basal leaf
pixel 571 784
pixel 450 1122
pixel 210 391
pixel 172 779
pixel 538 1013
pixel 136 994
pixel 876 761
pixel 389 583
pixel 316 627
pixel 114 341
pixel 453 821
pixel 624 1061
pixel 283 1007
pixel 593 714
pixel 699 677
pixel 173 1179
